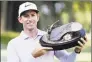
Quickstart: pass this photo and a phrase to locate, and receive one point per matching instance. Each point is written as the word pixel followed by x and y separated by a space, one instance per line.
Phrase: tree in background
pixel 50 11
pixel 82 13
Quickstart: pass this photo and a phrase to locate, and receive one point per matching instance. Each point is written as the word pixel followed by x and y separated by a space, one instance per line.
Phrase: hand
pixel 81 45
pixel 39 50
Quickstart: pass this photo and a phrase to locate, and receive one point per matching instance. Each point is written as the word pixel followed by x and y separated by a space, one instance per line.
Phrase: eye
pixel 32 14
pixel 26 15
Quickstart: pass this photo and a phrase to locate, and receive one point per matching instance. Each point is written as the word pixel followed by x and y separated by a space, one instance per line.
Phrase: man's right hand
pixel 39 50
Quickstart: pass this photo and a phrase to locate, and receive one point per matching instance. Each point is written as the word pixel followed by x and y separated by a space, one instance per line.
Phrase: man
pixel 26 47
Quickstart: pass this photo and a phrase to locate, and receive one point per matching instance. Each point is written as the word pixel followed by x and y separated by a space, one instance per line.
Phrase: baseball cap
pixel 27 6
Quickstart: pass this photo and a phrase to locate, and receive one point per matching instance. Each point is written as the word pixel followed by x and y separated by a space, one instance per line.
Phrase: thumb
pixel 48 48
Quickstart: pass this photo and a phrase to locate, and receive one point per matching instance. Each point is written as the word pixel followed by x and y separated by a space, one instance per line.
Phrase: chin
pixel 30 29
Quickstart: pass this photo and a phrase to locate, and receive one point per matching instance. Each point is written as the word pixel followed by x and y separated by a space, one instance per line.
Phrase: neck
pixel 31 33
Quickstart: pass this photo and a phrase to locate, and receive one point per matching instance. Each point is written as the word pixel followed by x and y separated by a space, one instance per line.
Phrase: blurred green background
pixel 50 11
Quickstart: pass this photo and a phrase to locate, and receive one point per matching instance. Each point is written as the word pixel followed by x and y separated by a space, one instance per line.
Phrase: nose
pixel 30 18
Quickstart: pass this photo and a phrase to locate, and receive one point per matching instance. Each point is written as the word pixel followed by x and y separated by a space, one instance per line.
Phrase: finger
pixel 80 44
pixel 82 41
pixel 44 51
pixel 47 48
pixel 78 47
pixel 85 38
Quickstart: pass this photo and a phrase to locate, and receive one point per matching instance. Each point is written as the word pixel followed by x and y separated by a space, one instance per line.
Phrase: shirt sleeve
pixel 11 54
pixel 64 56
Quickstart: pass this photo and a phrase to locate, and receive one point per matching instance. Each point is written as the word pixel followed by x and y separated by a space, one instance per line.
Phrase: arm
pixel 39 51
pixel 64 56
pixel 11 54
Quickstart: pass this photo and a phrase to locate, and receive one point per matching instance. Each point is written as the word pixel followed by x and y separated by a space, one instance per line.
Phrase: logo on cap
pixel 27 5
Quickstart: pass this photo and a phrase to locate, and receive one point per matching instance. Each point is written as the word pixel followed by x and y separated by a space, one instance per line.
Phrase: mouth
pixel 30 24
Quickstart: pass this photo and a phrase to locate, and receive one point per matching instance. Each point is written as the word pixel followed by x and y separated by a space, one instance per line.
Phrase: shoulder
pixel 14 40
pixel 41 32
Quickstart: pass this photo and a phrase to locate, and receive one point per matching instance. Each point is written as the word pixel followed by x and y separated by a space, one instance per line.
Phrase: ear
pixel 38 17
pixel 20 20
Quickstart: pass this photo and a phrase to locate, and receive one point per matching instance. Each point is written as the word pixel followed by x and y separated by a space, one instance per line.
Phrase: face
pixel 29 20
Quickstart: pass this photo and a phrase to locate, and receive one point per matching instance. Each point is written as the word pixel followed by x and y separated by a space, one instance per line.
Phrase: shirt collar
pixel 41 32
pixel 25 36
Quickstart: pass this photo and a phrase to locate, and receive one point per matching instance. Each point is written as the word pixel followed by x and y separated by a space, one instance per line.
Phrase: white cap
pixel 27 6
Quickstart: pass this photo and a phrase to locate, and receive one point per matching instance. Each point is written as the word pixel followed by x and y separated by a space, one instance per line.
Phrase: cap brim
pixel 29 10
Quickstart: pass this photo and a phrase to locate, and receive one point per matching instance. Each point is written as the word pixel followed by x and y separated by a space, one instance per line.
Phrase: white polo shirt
pixel 20 48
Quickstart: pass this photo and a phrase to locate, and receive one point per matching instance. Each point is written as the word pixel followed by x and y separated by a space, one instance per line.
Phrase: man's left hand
pixel 81 44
